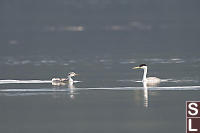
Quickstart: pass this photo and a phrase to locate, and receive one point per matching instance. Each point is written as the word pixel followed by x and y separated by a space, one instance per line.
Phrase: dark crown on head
pixel 142 65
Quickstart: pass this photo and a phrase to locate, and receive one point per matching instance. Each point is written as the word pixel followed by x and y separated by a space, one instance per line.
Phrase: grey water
pixel 101 41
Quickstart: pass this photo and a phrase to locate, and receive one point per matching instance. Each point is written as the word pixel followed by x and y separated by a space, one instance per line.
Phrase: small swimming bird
pixel 149 80
pixel 65 80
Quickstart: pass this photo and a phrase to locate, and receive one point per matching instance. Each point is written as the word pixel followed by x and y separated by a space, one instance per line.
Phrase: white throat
pixel 145 74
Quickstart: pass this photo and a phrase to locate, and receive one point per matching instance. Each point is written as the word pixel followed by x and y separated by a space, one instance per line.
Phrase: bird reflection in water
pixel 145 86
pixel 71 88
pixel 146 102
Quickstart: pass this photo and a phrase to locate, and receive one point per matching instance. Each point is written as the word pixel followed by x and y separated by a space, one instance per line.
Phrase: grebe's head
pixel 72 74
pixel 142 66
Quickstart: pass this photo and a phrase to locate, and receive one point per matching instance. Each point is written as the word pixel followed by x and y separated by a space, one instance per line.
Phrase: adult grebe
pixel 149 80
pixel 65 80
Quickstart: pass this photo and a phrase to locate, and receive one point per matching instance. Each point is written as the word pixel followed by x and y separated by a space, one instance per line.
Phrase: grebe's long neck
pixel 70 79
pixel 145 74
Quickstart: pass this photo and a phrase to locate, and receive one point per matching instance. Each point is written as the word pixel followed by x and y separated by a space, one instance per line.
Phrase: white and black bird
pixel 65 80
pixel 148 80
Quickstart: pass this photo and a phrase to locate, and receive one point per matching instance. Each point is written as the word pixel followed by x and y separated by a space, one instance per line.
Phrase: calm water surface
pixel 109 97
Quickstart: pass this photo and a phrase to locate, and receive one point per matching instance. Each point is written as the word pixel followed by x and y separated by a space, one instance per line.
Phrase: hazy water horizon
pixel 73 28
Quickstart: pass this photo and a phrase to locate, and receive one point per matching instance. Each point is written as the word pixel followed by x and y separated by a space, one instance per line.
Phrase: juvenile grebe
pixel 149 80
pixel 65 80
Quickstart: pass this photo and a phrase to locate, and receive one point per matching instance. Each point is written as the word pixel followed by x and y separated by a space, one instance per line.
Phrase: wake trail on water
pixel 24 81
pixel 163 81
pixel 28 81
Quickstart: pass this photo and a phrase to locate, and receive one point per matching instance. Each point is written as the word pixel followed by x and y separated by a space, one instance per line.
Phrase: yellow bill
pixel 137 67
